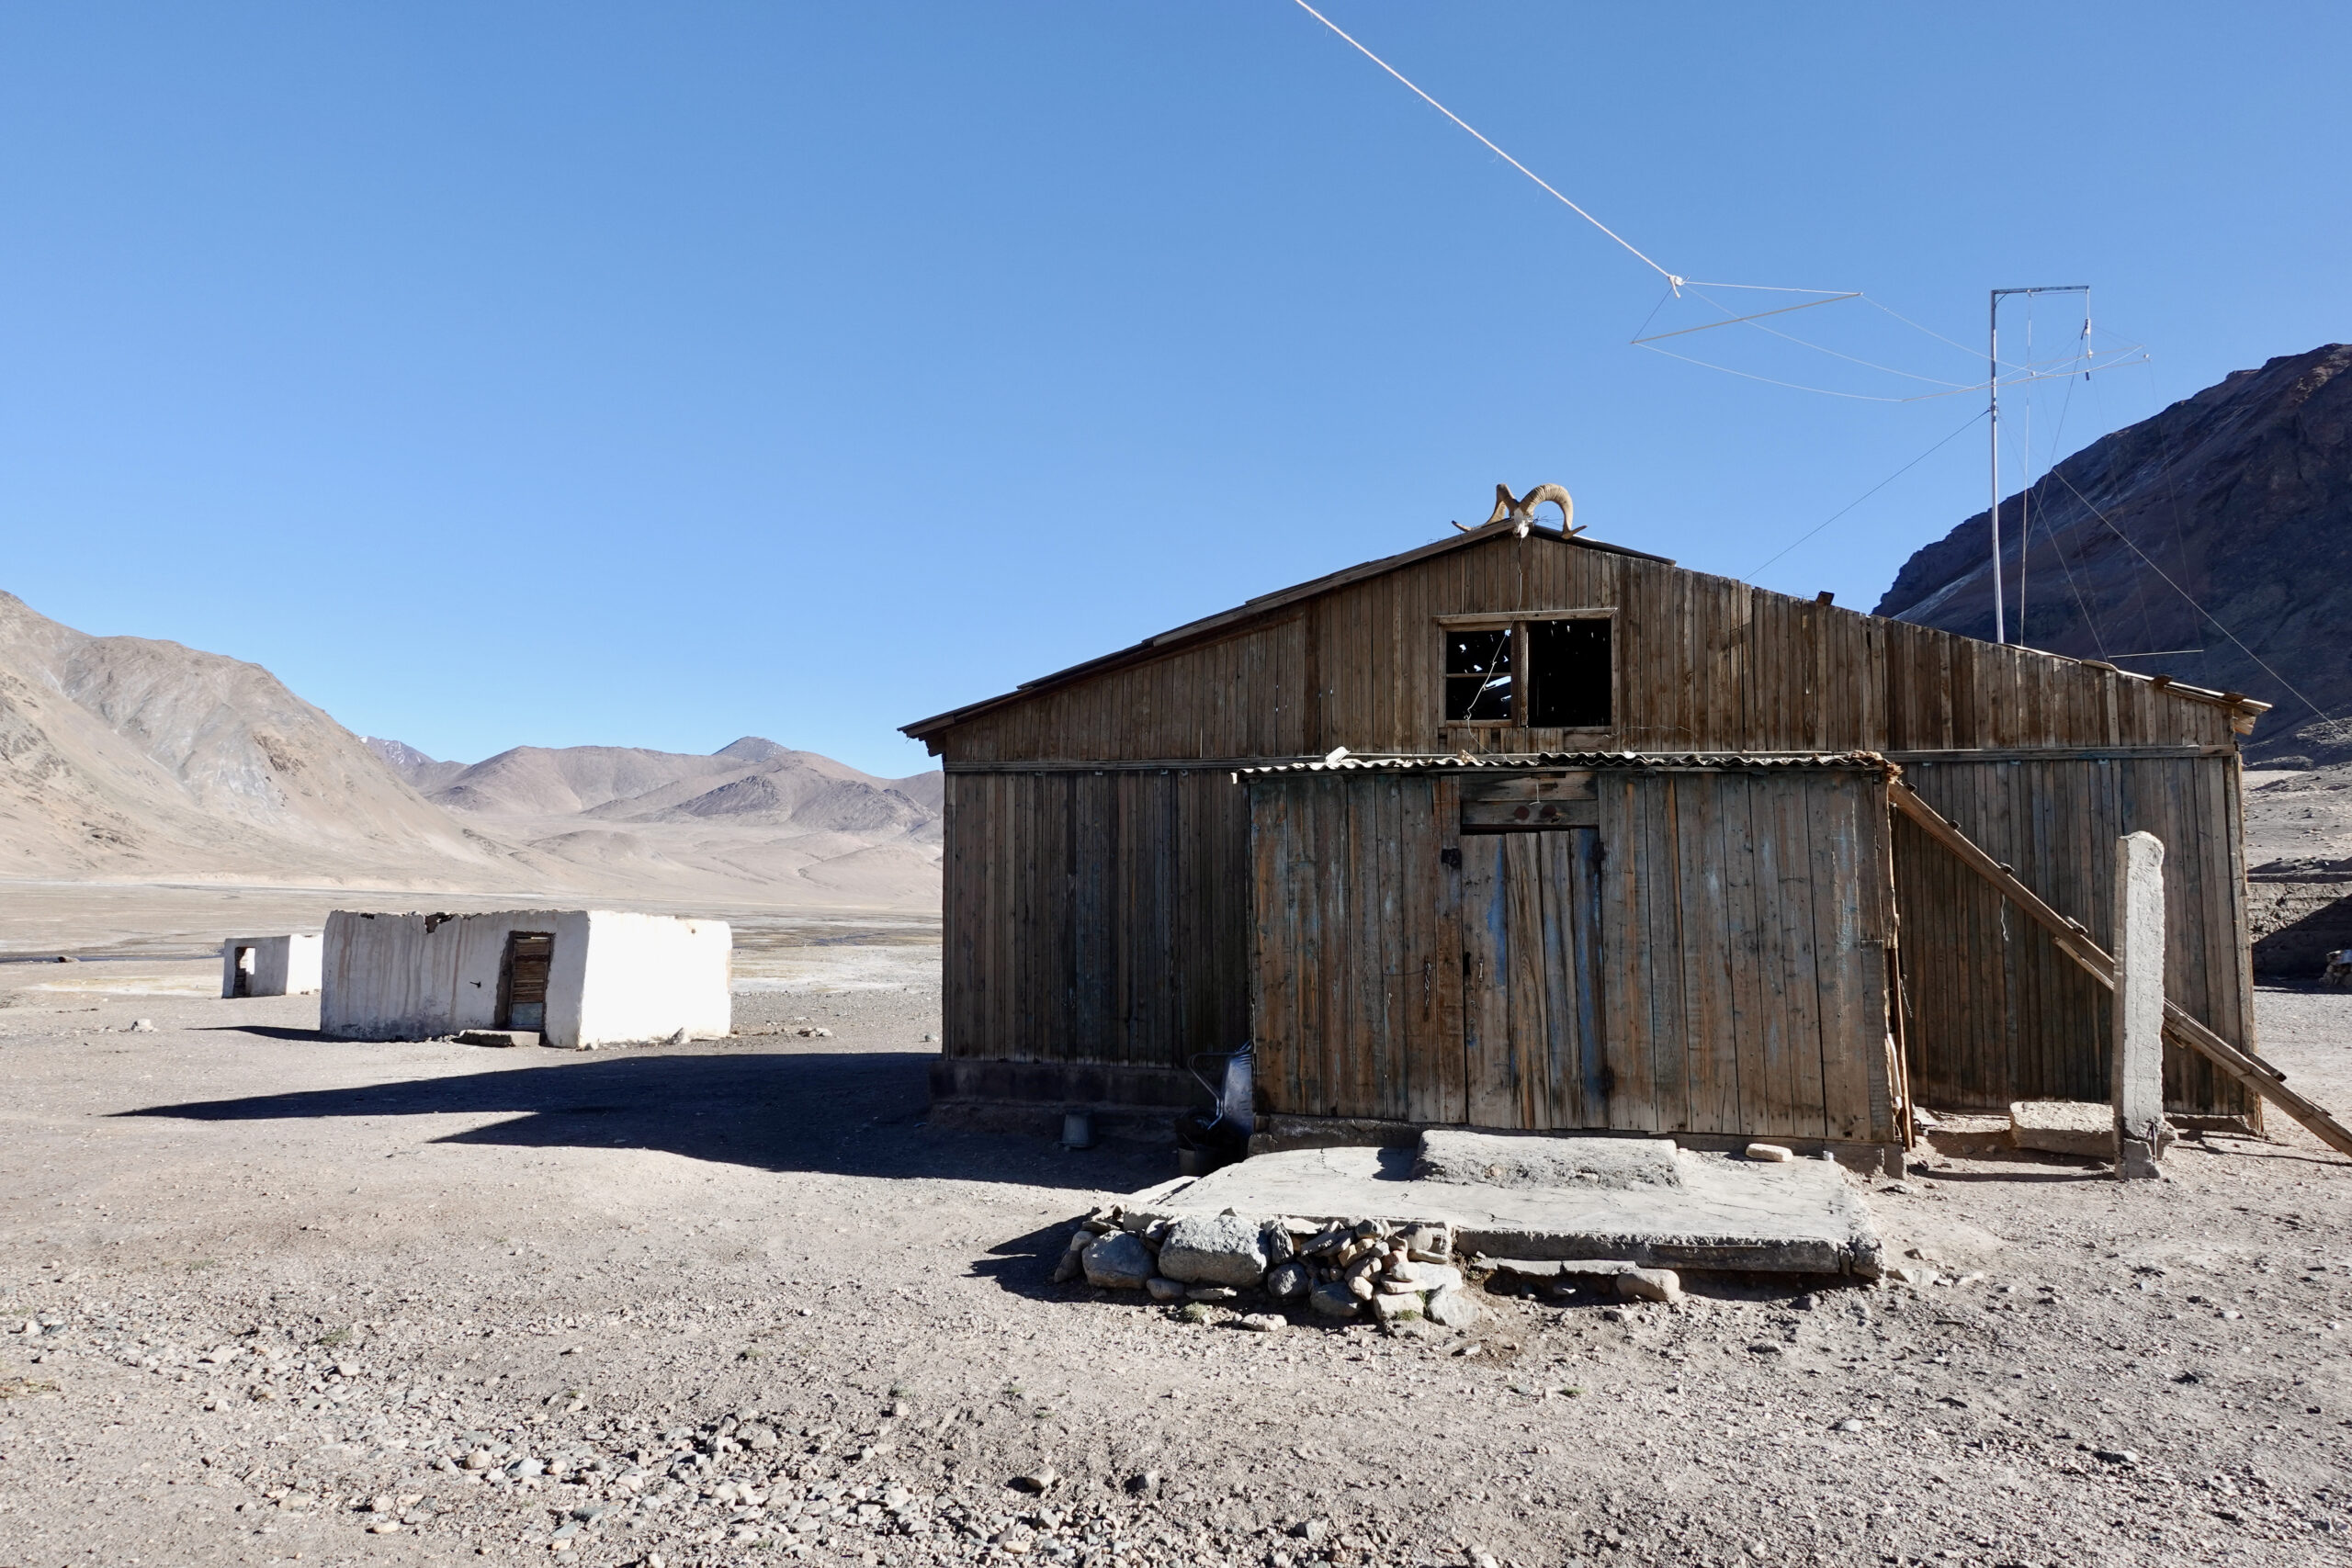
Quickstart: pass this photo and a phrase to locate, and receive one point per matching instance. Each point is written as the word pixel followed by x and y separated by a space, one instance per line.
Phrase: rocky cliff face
pixel 2240 496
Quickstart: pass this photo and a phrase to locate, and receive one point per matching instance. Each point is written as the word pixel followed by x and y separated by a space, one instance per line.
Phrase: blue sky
pixel 573 373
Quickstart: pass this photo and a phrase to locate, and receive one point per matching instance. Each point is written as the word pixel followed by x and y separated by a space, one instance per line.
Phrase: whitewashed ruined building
pixel 270 966
pixel 576 977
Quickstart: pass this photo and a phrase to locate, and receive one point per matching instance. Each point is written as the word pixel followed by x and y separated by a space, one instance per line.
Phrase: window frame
pixel 1523 676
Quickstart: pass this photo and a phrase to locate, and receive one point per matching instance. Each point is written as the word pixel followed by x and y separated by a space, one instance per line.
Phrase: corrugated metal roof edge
pixel 1870 762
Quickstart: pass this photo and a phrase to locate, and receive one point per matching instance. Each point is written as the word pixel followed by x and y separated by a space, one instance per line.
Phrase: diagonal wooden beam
pixel 2251 1072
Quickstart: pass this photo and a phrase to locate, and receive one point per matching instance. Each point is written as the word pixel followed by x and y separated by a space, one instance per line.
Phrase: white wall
pixel 650 976
pixel 614 978
pixel 283 965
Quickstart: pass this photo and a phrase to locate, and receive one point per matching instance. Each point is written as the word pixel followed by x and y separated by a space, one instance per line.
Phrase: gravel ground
pixel 273 1298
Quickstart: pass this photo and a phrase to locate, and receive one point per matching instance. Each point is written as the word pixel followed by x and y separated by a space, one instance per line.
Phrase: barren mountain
pixel 2222 527
pixel 754 780
pixel 2210 542
pixel 750 812
pixel 126 758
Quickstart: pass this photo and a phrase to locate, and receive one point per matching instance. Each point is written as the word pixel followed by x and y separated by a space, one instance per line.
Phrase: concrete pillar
pixel 2141 1136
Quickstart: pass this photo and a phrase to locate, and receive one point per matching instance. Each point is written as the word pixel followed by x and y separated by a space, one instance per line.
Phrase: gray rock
pixel 1429 1243
pixel 1212 1292
pixel 1333 1300
pixel 1214 1249
pixel 1425 1276
pixel 524 1467
pixel 1262 1322
pixel 1119 1261
pixel 1279 1246
pixel 1162 1289
pixel 1454 1308
pixel 1650 1285
pixel 755 1437
pixel 1396 1307
pixel 1287 1281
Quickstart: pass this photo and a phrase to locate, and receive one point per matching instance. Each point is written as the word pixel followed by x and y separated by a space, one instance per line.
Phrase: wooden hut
pixel 1700 742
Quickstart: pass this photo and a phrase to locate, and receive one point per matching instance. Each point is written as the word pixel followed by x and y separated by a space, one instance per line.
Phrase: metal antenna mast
pixel 1992 375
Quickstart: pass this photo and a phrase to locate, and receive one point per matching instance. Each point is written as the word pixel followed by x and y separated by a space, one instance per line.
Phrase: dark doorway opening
pixel 522 982
pixel 243 985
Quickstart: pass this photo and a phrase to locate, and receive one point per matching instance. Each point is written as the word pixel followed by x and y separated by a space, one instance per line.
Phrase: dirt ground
pixel 267 1296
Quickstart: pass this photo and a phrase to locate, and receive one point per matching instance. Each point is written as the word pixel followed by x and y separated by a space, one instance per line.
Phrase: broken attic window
pixel 1569 674
pixel 1478 675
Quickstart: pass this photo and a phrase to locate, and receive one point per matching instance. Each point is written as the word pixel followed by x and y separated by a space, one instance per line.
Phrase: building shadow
pixel 843 1113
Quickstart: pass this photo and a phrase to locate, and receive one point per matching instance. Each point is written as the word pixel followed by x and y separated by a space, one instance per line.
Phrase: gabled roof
pixel 1266 605
pixel 1255 609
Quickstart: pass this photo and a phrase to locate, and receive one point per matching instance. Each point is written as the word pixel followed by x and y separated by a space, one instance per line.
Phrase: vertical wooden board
pixel 1307 905
pixel 1092 916
pixel 1848 954
pixel 1272 944
pixel 1486 1005
pixel 1418 894
pixel 1710 1055
pixel 1589 1068
pixel 1523 1087
pixel 1326 835
pixel 1626 994
pixel 1784 804
pixel 1755 1038
pixel 1660 1093
pixel 1554 1100
pixel 1375 870
pixel 1762 1000
pixel 1304 913
pixel 1447 1037
pixel 1400 982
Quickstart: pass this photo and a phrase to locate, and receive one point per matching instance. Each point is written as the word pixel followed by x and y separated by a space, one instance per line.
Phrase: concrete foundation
pixel 270 966
pixel 1722 1213
pixel 597 976
pixel 1277 1135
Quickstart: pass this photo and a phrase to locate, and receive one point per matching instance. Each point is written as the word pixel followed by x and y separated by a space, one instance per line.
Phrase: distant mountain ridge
pixel 2241 495
pixel 752 779
pixel 128 757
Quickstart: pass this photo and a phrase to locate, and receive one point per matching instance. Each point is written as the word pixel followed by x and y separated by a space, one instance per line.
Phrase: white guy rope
pixel 1671 280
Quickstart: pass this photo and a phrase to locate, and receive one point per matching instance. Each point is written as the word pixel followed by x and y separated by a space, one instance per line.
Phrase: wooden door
pixel 529 954
pixel 1530 937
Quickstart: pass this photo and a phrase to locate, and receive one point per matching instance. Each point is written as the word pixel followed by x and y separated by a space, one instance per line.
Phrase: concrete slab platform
pixel 1724 1213
pixel 498 1037
pixel 2086 1128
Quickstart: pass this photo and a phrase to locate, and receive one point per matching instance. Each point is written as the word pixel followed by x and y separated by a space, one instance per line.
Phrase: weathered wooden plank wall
pixel 1096 917
pixel 1704 664
pixel 1763 1012
pixel 1997 1012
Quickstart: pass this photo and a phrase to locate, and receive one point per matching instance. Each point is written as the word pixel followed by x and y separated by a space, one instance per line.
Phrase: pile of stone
pixel 1393 1272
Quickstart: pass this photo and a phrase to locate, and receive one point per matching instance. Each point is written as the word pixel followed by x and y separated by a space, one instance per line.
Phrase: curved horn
pixel 1504 505
pixel 1560 497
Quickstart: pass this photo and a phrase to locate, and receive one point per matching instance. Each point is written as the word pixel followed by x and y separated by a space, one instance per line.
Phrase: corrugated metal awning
pixel 1649 761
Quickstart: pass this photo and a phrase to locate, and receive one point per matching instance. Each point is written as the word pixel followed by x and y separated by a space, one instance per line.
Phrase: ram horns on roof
pixel 1521 510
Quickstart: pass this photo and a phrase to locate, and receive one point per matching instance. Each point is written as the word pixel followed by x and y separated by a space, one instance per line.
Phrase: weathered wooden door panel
pixel 1531 916
pixel 1357 979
